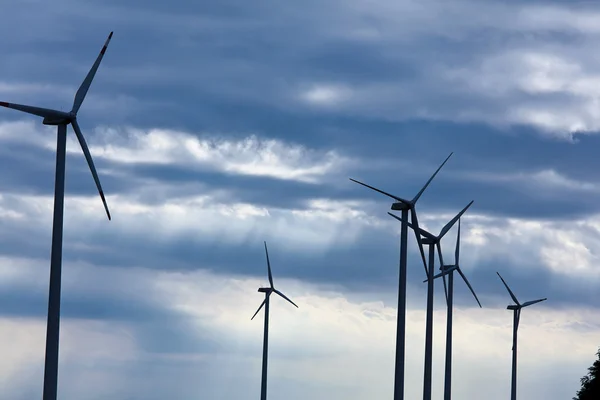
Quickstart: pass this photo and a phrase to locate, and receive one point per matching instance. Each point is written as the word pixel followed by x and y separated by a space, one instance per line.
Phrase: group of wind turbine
pixel 61 119
pixel 404 206
pixel 434 242
pixel 446 271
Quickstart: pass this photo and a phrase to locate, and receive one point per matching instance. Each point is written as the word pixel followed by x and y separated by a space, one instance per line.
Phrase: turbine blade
pixel 430 179
pixel 457 251
pixel 441 256
pixel 261 306
pixel 415 222
pixel 444 272
pixel 421 230
pixel 445 288
pixel 449 225
pixel 269 267
pixel 40 112
pixel 509 291
pixel 284 296
pixel 518 317
pixel 469 285
pixel 88 157
pixel 382 192
pixel 528 303
pixel 85 85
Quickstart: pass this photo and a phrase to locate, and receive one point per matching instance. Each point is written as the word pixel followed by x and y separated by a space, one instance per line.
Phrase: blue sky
pixel 218 125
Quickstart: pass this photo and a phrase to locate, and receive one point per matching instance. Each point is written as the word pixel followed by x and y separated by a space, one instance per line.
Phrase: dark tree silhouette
pixel 590 384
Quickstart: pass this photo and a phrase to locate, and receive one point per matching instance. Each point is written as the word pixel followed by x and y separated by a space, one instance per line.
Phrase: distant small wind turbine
pixel 449 271
pixel 61 120
pixel 516 316
pixel 405 206
pixel 433 241
pixel 267 291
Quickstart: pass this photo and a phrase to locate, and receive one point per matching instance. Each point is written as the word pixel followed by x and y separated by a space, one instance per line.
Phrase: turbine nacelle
pixel 265 289
pixel 59 118
pixel 400 206
pixel 513 307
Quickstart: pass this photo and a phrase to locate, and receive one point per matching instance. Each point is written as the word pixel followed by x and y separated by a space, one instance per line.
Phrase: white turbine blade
pixel 414 200
pixel 415 222
pixel 445 288
pixel 40 112
pixel 284 296
pixel 261 306
pixel 85 85
pixel 444 272
pixel 509 291
pixel 88 157
pixel 449 225
pixel 269 266
pixel 401 200
pixel 421 230
pixel 457 251
pixel 469 285
pixel 441 256
pixel 528 303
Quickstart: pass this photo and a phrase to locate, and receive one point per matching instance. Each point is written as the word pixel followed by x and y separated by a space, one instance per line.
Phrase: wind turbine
pixel 516 316
pixel 449 271
pixel 405 206
pixel 267 291
pixel 61 120
pixel 432 241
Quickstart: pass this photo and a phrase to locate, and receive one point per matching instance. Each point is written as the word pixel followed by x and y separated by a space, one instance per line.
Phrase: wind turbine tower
pixel 448 270
pixel 516 317
pixel 267 291
pixel 61 119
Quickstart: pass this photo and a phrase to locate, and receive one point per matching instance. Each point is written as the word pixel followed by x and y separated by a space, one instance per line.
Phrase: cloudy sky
pixel 216 125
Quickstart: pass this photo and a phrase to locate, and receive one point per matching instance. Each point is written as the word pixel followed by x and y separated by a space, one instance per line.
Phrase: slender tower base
pixel 401 319
pixel 429 326
pixel 53 324
pixel 448 367
pixel 513 385
pixel 263 382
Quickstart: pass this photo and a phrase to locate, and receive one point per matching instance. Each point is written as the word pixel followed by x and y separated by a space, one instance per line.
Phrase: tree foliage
pixel 590 384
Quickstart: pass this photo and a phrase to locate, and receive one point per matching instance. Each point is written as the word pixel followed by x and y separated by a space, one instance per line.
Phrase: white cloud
pixel 326 95
pixel 349 331
pixel 317 226
pixel 252 155
pixel 28 89
pixel 330 340
pixel 546 179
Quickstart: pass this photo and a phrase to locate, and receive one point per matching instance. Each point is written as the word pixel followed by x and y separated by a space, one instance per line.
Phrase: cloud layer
pixel 217 126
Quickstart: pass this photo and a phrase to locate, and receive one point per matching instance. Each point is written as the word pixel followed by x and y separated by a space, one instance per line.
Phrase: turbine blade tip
pixel 4 104
pixel 110 35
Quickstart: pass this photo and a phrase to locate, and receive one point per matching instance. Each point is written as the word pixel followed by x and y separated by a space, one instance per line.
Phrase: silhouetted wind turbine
pixel 449 271
pixel 405 206
pixel 516 316
pixel 432 241
pixel 267 291
pixel 61 120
